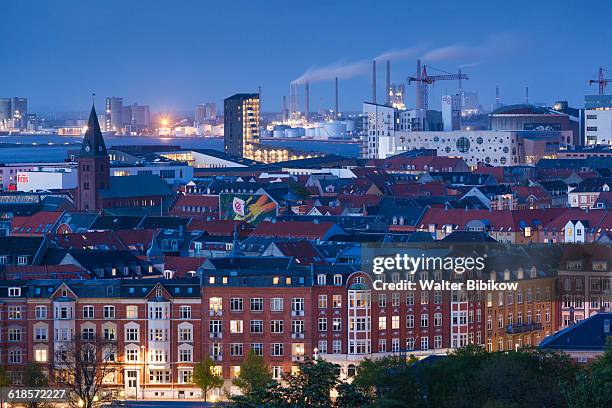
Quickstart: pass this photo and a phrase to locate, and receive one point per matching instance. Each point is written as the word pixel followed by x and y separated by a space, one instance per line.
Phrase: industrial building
pixel 13 113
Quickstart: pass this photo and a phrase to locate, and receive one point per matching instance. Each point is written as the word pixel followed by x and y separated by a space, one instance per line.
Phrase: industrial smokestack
pixel 307 101
pixel 336 111
pixel 418 101
pixel 497 102
pixel 374 81
pixel 284 111
pixel 388 83
pixel 527 95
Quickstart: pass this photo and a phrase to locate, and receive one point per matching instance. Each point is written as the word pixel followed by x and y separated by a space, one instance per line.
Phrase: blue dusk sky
pixel 173 55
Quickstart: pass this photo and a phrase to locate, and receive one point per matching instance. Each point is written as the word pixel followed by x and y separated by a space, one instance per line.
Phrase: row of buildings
pixel 156 329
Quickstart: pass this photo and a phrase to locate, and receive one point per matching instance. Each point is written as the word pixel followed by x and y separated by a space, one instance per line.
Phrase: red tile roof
pixel 293 229
pixel 303 252
pixel 220 227
pixel 90 240
pixel 31 272
pixel 38 224
pixel 181 265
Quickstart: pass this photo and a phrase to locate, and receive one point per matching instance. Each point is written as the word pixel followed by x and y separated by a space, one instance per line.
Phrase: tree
pixel 593 386
pixel 311 385
pixel 254 374
pixel 205 377
pixel 4 378
pixel 88 369
pixel 351 396
pixel 34 377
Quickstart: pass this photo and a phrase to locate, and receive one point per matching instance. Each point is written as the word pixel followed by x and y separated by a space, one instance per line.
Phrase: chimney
pixel 284 112
pixel 307 101
pixel 388 84
pixel 527 95
pixel 374 81
pixel 336 111
pixel 496 96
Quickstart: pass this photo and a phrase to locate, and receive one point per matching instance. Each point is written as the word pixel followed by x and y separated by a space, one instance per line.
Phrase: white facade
pixel 379 131
pixel 498 148
pixel 47 179
pixel 598 126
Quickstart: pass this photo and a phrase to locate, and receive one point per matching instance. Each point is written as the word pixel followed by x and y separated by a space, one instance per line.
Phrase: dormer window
pixel 321 279
pixel 14 292
pixel 337 280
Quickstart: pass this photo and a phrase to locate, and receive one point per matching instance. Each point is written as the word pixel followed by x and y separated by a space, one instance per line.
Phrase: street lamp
pixel 144 370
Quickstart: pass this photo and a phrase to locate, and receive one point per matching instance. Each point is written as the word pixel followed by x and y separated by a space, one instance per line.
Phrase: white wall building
pixel 47 178
pixel 378 131
pixel 598 126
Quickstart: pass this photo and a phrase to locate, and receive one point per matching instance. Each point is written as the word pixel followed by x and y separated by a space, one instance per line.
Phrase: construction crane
pixel 423 80
pixel 601 81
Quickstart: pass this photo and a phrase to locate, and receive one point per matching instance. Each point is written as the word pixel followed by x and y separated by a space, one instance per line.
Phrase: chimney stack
pixel 527 95
pixel 374 81
pixel 307 101
pixel 497 97
pixel 336 111
pixel 284 112
pixel 388 84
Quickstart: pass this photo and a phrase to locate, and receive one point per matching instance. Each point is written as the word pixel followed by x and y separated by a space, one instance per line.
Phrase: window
pixel 337 280
pixel 88 312
pixel 40 355
pixel 236 349
pixel 14 334
pixel 109 312
pixel 87 333
pixel 337 347
pixel 321 279
pixel 131 334
pixel 131 312
pixel 437 342
pixel 236 304
pixel 322 301
pixel 109 333
pixel 14 292
pixel 276 304
pixel 276 326
pixel 185 334
pixel 40 312
pixel 22 260
pixel 438 319
pixel 214 326
pixel 14 312
pixel 337 301
pixel 215 304
pixel 395 299
pixel 257 348
pixel 131 355
pixel 277 373
pixel 256 304
pixel 410 321
pixel 382 300
pixel 185 355
pixel 322 346
pixel 235 326
pixel 410 298
pixel 40 334
pixel 322 324
pixel 256 326
pixel 185 312
pixel 395 322
pixel 382 323
pixel 297 304
pixel 424 343
pixel 297 326
pixel 424 320
pixel 337 324
pixel 276 349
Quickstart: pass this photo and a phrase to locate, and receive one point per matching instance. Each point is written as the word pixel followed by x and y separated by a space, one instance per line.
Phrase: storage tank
pixel 293 132
pixel 335 130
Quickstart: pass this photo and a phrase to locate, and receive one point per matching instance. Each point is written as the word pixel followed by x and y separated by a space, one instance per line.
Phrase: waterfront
pixel 53 148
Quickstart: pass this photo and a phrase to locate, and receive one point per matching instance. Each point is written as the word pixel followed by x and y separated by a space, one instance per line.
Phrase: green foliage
pixel 594 386
pixel 205 378
pixel 311 385
pixel 33 376
pixel 4 378
pixel 351 396
pixel 254 374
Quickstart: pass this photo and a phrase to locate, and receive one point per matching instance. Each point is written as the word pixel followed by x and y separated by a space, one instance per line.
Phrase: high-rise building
pixel 598 120
pixel 451 112
pixel 19 112
pixel 114 115
pixel 5 109
pixel 241 121
pixel 94 167
pixel 138 116
pixel 204 112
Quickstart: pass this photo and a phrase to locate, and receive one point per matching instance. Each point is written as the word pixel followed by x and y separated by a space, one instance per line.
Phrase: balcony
pixel 297 358
pixel 217 357
pixel 295 313
pixel 216 335
pixel 297 335
pixel 213 312
pixel 523 328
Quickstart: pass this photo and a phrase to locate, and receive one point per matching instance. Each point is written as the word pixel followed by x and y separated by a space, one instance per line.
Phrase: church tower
pixel 94 167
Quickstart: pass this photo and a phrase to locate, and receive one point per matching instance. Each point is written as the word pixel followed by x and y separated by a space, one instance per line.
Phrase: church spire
pixel 93 142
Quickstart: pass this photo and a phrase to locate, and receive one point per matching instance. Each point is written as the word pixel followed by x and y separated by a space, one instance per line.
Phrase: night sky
pixel 173 55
